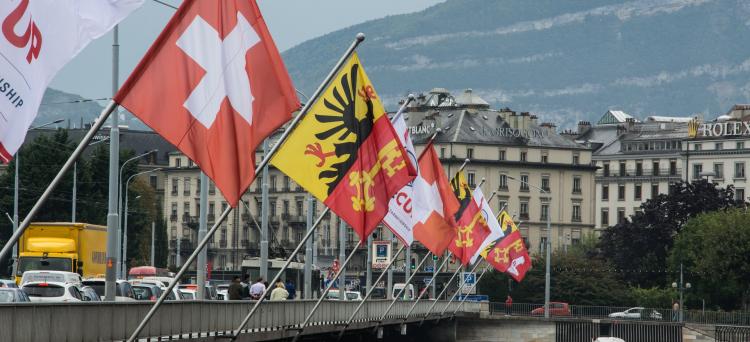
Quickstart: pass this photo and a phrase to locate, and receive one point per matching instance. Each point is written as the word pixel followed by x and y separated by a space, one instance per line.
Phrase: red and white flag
pixel 496 232
pixel 38 39
pixel 214 85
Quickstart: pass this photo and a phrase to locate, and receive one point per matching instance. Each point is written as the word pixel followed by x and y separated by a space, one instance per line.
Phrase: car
pixel 407 294
pixel 145 291
pixel 210 291
pixel 175 295
pixel 350 295
pixel 52 291
pixel 188 294
pixel 637 313
pixel 123 289
pixel 555 309
pixel 609 339
pixel 9 283
pixel 89 295
pixel 221 292
pixel 13 295
pixel 51 276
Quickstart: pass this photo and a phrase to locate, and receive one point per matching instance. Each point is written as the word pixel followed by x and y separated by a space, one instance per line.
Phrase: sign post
pixel 382 251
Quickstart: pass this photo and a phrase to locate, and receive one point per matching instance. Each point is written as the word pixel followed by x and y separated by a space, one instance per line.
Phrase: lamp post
pixel 16 182
pixel 125 214
pixel 548 248
pixel 682 286
pixel 119 207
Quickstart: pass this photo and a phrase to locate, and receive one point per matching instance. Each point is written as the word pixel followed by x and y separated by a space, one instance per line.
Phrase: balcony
pixel 173 217
pixel 646 174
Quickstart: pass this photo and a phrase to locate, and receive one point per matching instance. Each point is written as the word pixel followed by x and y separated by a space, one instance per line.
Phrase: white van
pixel 408 294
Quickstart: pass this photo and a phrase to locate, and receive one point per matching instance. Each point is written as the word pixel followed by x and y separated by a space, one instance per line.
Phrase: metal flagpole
pixel 264 209
pixel 440 295
pixel 432 280
pixel 75 189
pixel 58 178
pixel 471 288
pixel 153 239
pixel 309 250
pixel 368 267
pixel 200 269
pixel 389 286
pixel 473 269
pixel 113 219
pixel 328 288
pixel 342 255
pixel 369 292
pixel 400 292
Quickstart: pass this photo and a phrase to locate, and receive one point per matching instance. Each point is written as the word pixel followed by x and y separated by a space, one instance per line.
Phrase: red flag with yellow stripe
pixel 472 228
pixel 509 255
pixel 346 153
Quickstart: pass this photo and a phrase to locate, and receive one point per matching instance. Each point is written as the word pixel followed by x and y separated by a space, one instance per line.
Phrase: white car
pixel 637 313
pixel 609 339
pixel 188 294
pixel 350 295
pixel 51 276
pixel 221 291
pixel 176 294
pixel 123 289
pixel 52 292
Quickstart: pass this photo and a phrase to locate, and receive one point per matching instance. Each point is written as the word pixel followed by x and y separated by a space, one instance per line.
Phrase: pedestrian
pixel 291 289
pixel 509 305
pixel 675 311
pixel 257 289
pixel 279 293
pixel 235 289
pixel 245 286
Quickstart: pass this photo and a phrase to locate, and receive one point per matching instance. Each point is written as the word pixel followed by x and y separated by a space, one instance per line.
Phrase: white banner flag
pixel 399 217
pixel 496 232
pixel 38 39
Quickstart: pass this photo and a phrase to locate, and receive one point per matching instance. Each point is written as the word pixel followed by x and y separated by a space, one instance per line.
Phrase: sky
pixel 291 22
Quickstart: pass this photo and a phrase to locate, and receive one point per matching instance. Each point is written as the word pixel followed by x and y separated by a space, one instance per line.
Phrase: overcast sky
pixel 290 21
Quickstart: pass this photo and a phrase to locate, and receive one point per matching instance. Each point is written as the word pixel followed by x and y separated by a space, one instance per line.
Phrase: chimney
pixel 630 123
pixel 583 126
pixel 534 120
pixel 550 127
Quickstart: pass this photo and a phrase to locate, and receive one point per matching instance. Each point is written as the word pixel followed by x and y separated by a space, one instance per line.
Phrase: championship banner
pixel 400 218
pixel 381 254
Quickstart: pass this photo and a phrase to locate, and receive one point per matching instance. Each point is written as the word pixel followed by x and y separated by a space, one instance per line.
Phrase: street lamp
pixel 548 247
pixel 15 192
pixel 119 205
pixel 125 236
pixel 682 286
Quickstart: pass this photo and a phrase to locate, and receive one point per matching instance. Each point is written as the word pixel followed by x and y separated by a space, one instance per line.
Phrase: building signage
pixel 381 254
pixel 422 129
pixel 514 132
pixel 719 129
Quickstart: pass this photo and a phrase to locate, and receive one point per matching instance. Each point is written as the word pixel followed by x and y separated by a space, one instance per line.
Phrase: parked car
pixel 123 289
pixel 555 309
pixel 637 313
pixel 13 295
pixel 145 291
pixel 210 292
pixel 9 283
pixel 350 295
pixel 175 295
pixel 407 294
pixel 188 294
pixel 51 277
pixel 89 295
pixel 52 292
pixel 221 292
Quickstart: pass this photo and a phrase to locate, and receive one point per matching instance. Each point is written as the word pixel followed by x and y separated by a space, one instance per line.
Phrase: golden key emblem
pixel 390 160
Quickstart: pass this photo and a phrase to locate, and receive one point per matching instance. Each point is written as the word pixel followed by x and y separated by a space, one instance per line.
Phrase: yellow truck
pixel 63 246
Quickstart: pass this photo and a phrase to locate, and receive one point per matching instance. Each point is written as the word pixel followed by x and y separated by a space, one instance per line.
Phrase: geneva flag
pixel 38 39
pixel 214 85
pixel 472 228
pixel 346 153
pixel 510 254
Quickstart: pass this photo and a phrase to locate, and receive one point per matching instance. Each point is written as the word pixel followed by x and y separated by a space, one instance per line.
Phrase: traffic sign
pixel 429 269
pixel 469 278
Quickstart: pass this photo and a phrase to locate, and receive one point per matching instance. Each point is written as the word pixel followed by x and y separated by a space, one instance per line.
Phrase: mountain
pixel 565 60
pixel 75 110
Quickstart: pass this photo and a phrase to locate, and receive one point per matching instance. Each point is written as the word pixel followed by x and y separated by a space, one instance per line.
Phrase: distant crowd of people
pixel 240 289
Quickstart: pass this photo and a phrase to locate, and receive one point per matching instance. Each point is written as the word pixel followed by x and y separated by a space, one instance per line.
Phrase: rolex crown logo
pixel 693 128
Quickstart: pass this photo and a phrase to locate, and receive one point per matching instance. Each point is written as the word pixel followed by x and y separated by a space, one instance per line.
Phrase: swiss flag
pixel 214 85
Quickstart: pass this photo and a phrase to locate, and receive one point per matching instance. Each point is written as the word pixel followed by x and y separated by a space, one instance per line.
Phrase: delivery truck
pixel 63 246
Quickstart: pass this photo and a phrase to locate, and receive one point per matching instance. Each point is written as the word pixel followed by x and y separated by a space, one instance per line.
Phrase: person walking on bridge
pixel 257 289
pixel 234 292
pixel 509 305
pixel 280 292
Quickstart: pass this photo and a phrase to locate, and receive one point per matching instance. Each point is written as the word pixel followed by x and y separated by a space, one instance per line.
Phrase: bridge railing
pixel 648 314
pixel 101 321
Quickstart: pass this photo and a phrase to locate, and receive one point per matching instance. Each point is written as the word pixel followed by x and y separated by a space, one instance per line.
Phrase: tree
pixel 646 239
pixel 714 249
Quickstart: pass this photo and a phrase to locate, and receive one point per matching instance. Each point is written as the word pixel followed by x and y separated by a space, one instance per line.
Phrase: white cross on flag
pixel 38 38
pixel 214 85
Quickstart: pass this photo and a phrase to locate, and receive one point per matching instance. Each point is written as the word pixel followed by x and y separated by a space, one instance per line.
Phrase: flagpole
pixel 369 292
pixel 342 292
pixel 440 295
pixel 473 269
pixel 58 178
pixel 266 158
pixel 493 196
pixel 400 292
pixel 471 288
pixel 434 275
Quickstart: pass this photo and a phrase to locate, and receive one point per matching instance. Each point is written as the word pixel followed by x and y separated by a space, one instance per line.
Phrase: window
pixel 174 186
pixel 178 162
pixel 212 210
pixel 186 209
pixel 272 207
pixel 576 212
pixel 211 188
pixel 471 179
pixel 605 217
pixel 545 183
pixel 285 207
pixel 655 168
pixel 621 192
pixel 272 183
pixel 576 185
pixel 198 187
pixel 697 170
pixel 740 145
pixel 739 170
pixel 654 190
pixel 739 195
pixel 718 170
pixel 545 159
pixel 503 182
pixel 524 182
pixel 576 159
pixel 606 169
pixel 524 156
pixel 605 192
pixel 287 183
pixel 639 168
pixel 673 168
pixel 470 153
pixel 620 215
pixel 698 147
pixel 542 244
pixel 501 155
pixel 622 169
pixel 174 210
pixel 186 186
pixel 637 190
pixel 442 152
pixel 153 180
pixel 524 212
pixel 545 212
pixel 299 203
pixel 719 146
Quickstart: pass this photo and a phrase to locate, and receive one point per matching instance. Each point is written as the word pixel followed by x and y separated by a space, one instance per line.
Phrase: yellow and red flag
pixel 472 228
pixel 509 255
pixel 346 153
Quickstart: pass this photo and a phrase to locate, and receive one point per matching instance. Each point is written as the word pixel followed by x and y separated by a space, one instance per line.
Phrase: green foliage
pixel 654 297
pixel 645 240
pixel 715 251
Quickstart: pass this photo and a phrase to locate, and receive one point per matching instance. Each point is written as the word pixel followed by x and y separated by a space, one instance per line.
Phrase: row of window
pixel 524 156
pixel 523 210
pixel 637 191
pixel 272 207
pixel 739 145
pixel 187 181
pixel 739 170
pixel 523 183
pixel 639 171
pixel 653 146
